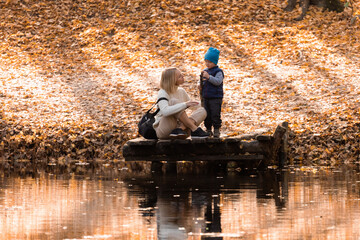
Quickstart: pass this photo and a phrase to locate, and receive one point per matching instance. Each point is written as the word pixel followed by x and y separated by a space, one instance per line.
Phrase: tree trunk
pixel 332 5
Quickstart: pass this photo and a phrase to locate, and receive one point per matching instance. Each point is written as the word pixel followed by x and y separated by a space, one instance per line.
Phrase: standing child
pixel 212 91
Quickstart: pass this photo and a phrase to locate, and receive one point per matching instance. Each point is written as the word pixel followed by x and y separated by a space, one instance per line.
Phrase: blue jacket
pixel 211 90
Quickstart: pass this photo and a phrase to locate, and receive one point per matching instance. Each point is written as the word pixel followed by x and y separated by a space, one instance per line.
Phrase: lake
pixel 293 203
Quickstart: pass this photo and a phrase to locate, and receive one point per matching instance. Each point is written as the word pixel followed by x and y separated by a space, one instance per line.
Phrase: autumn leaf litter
pixel 76 76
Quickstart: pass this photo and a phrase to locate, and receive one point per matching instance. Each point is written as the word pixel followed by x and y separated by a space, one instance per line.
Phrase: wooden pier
pixel 257 149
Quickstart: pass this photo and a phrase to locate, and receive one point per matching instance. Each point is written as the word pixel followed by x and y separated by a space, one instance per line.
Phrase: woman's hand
pixel 192 103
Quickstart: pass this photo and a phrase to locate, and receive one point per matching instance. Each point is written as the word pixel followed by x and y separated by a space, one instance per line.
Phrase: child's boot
pixel 216 132
pixel 208 130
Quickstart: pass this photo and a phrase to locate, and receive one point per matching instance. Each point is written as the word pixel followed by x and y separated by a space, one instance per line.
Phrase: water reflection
pixel 190 206
pixel 301 203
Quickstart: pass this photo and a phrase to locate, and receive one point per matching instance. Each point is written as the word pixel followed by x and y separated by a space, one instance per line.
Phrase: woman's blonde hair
pixel 168 80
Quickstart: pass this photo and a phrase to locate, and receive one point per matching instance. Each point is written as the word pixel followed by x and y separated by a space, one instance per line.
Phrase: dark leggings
pixel 213 110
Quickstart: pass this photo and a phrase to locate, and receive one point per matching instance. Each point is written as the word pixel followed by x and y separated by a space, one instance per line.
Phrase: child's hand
pixel 205 75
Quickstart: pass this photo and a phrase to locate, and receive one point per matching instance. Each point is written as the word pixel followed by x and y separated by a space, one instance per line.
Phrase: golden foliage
pixel 74 67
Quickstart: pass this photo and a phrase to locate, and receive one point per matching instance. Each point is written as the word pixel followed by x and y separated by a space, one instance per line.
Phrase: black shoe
pixel 178 133
pixel 199 133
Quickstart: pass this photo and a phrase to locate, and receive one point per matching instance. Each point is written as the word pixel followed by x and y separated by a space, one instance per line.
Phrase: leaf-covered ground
pixel 76 75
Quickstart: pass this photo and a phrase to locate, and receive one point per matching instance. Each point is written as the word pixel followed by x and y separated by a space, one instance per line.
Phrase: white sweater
pixel 166 109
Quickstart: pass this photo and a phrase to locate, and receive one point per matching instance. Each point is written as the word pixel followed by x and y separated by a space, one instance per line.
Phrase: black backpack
pixel 145 125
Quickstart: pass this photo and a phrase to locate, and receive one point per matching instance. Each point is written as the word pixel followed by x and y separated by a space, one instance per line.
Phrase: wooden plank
pixel 141 142
pixel 246 147
pixel 146 142
pixel 231 140
pixel 265 138
pixel 192 147
pixel 175 158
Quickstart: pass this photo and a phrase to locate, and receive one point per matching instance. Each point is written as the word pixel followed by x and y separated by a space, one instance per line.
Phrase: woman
pixel 172 121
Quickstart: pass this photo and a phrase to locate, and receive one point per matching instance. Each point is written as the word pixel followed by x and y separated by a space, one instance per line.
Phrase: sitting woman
pixel 172 121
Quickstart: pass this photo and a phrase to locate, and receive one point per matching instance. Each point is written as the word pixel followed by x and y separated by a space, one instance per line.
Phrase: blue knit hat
pixel 212 55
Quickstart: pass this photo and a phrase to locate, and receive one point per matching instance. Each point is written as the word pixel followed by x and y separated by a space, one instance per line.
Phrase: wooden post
pixel 282 156
pixel 273 149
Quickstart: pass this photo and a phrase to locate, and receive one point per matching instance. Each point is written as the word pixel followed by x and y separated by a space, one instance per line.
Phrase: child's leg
pixel 215 111
pixel 207 121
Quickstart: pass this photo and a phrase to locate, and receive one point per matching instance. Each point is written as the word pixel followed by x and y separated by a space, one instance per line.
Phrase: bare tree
pixel 332 5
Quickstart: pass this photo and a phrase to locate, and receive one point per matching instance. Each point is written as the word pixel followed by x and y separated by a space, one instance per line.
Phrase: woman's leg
pixel 198 115
pixel 165 127
pixel 168 124
pixel 194 120
pixel 187 122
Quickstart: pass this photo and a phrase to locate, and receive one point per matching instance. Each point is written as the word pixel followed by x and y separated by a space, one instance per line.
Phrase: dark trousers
pixel 213 110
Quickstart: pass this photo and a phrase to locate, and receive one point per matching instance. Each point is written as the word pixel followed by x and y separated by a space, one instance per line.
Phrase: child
pixel 212 91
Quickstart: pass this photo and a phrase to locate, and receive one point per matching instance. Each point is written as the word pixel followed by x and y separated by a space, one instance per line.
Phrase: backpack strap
pixel 162 98
pixel 157 110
